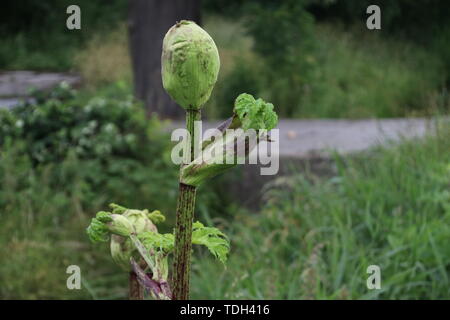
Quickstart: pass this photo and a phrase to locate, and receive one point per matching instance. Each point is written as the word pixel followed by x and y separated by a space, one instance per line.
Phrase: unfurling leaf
pixel 97 231
pixel 157 241
pixel 255 114
pixel 156 216
pixel 212 238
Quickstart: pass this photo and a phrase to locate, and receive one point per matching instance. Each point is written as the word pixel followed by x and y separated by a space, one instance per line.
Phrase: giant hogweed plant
pixel 190 66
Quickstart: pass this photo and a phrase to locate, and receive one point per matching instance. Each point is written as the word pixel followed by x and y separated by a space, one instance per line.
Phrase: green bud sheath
pixel 140 220
pixel 120 225
pixel 122 250
pixel 190 64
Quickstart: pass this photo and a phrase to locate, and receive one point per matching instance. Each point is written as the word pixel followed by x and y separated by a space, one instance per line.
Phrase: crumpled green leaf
pixel 106 223
pixel 255 114
pixel 212 238
pixel 156 216
pixel 157 241
pixel 97 230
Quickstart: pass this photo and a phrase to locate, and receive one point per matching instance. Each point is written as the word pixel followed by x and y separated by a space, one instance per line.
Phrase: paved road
pixel 316 138
pixel 15 85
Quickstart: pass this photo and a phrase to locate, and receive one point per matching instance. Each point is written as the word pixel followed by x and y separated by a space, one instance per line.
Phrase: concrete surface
pixel 308 139
pixel 16 85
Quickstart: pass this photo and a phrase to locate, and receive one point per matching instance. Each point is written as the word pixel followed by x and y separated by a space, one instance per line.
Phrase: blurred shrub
pixel 280 31
pixel 99 128
pixel 34 34
pixel 341 70
pixel 345 73
pixel 46 17
pixel 412 19
pixel 423 22
pixel 109 141
pixel 105 59
pixel 242 78
pixel 356 74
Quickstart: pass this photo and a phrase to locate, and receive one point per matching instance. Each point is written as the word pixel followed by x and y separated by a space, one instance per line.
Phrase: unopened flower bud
pixel 122 250
pixel 190 64
pixel 120 225
pixel 140 220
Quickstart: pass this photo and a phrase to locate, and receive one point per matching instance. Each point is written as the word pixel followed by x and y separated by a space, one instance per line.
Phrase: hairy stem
pixel 184 219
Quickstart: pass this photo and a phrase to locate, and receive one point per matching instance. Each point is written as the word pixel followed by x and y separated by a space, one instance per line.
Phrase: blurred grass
pixel 105 59
pixel 359 75
pixel 316 236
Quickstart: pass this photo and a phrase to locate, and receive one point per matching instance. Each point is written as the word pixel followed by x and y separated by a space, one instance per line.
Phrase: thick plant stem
pixel 183 245
pixel 184 219
pixel 136 290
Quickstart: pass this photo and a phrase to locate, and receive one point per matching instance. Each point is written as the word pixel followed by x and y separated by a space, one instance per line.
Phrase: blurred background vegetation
pixel 69 153
pixel 312 58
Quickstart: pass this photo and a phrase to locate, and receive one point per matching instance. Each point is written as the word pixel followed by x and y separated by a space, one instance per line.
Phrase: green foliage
pixel 105 223
pixel 271 25
pixel 316 235
pixel 30 42
pixel 137 234
pixel 283 34
pixel 110 136
pixel 46 205
pixel 255 114
pixel 214 239
pixel 414 20
pixel 156 217
pixel 99 128
pixel 157 241
pixel 244 77
pixel 360 75
pixel 340 75
pixel 97 230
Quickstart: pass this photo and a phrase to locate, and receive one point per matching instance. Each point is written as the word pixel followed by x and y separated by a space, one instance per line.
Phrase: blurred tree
pixel 149 21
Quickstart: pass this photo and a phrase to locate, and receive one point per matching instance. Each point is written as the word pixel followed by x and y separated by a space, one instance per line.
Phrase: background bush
pixel 34 33
pixel 111 140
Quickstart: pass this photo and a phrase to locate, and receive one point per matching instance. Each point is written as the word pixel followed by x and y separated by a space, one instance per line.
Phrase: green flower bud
pixel 140 220
pixel 120 225
pixel 122 249
pixel 156 217
pixel 123 224
pixel 190 64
